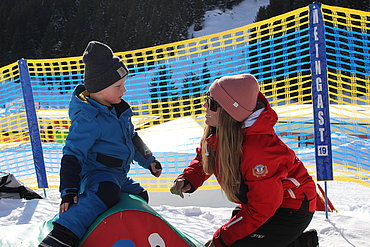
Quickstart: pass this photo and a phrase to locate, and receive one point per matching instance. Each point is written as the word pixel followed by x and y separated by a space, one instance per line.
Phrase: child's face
pixel 112 94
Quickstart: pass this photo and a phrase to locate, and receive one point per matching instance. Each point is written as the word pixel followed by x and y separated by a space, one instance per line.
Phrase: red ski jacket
pixel 273 175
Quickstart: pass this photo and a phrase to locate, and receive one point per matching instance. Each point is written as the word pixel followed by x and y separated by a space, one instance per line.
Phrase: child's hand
pixel 179 187
pixel 155 168
pixel 67 200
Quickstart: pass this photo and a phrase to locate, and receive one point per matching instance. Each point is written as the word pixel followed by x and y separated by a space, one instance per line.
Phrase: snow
pixel 202 213
pixel 218 21
pixel 349 226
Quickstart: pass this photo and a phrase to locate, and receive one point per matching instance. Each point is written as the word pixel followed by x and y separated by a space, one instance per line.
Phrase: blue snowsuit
pixel 97 155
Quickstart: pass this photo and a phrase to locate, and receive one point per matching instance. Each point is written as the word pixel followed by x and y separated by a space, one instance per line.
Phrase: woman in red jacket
pixel 275 193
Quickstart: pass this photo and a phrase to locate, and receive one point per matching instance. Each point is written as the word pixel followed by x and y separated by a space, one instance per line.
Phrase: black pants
pixel 280 230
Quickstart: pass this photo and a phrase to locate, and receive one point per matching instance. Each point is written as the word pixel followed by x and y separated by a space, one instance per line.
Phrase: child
pixel 275 193
pixel 99 149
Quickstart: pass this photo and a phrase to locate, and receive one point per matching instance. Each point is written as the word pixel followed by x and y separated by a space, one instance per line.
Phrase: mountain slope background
pixel 62 28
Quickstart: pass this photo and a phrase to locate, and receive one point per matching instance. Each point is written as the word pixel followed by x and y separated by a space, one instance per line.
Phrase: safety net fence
pixel 167 85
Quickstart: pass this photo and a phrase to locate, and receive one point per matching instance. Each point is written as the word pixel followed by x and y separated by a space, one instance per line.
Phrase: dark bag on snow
pixel 10 187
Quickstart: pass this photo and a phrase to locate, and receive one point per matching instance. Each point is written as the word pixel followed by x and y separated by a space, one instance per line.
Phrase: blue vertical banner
pixel 38 156
pixel 320 95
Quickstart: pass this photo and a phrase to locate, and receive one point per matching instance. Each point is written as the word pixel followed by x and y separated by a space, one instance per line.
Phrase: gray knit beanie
pixel 102 68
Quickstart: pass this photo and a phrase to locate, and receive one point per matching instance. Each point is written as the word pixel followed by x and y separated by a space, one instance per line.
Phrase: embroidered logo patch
pixel 122 72
pixel 260 170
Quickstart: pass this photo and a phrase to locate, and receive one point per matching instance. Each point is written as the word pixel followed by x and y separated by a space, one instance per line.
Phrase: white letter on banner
pixel 318 67
pixel 317 50
pixel 318 84
pixel 315 34
pixel 320 116
pixel 320 102
pixel 315 16
pixel 321 134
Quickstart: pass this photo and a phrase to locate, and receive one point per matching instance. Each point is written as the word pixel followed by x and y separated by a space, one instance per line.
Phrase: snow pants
pixel 281 230
pixel 96 199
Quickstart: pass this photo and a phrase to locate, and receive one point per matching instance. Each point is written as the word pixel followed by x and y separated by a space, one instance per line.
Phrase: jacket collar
pixel 81 101
pixel 252 118
pixel 264 124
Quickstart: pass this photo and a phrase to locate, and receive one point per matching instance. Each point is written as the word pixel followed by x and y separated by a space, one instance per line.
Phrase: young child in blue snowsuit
pixel 99 149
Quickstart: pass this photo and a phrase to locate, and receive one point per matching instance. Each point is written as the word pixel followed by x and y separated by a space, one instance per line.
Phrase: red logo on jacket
pixel 260 170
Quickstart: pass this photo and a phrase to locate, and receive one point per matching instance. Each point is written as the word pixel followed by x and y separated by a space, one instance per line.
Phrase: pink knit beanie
pixel 237 94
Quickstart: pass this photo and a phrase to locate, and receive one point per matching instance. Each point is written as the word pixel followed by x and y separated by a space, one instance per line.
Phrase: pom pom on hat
pixel 237 94
pixel 102 68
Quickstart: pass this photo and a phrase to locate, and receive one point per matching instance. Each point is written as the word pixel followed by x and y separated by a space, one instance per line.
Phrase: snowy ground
pixel 218 21
pixel 350 226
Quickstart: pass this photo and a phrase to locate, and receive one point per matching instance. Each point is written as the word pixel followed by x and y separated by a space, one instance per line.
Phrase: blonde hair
pixel 228 156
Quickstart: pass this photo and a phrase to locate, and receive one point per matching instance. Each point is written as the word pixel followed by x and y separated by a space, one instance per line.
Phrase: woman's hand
pixel 178 187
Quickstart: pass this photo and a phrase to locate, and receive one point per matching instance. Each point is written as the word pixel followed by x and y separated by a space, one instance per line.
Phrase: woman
pixel 276 195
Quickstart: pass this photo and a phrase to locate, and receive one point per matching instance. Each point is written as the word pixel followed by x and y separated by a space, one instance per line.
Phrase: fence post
pixel 33 127
pixel 320 98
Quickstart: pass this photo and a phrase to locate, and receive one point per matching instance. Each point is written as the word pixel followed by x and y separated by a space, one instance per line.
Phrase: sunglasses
pixel 212 104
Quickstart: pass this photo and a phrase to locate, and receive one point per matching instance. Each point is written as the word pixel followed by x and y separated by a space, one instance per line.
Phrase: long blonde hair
pixel 228 156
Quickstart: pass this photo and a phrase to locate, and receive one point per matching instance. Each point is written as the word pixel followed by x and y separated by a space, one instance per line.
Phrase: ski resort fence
pixel 313 65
